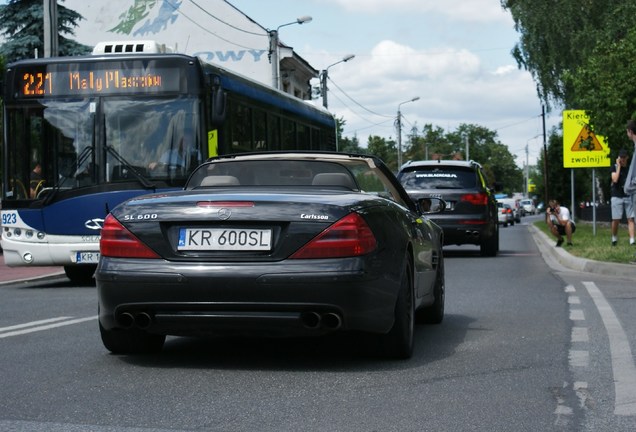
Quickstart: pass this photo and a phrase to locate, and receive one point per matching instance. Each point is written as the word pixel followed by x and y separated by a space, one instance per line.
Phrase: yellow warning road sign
pixel 582 148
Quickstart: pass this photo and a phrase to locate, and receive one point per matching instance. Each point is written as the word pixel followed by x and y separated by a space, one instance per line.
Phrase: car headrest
pixel 334 179
pixel 220 180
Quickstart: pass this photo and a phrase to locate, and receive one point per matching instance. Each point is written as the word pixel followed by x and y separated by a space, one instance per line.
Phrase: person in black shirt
pixel 621 202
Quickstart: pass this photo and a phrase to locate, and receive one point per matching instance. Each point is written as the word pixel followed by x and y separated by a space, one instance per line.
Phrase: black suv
pixel 471 209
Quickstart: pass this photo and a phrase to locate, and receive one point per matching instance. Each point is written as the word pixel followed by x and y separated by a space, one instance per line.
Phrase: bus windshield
pixel 61 145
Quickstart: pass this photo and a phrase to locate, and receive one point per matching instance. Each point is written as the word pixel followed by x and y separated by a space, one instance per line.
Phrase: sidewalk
pixel 560 255
pixel 17 274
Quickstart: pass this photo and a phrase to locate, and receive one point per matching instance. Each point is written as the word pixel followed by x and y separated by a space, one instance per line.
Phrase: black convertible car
pixel 272 244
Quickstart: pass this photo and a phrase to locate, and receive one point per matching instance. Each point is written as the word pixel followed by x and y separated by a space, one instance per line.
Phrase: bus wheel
pixel 80 273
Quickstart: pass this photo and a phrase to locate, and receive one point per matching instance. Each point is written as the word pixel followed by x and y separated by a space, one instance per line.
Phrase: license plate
pixel 216 239
pixel 87 257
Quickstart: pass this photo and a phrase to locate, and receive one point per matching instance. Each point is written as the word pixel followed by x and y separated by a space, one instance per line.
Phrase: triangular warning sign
pixel 586 141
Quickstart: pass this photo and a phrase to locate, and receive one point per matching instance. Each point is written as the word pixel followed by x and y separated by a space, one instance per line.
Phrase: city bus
pixel 82 134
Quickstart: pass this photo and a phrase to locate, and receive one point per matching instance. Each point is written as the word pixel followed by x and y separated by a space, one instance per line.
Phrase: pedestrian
pixel 630 180
pixel 621 202
pixel 560 223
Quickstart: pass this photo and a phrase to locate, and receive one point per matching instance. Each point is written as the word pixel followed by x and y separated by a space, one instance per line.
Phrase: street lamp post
pixel 325 74
pixel 399 130
pixel 273 49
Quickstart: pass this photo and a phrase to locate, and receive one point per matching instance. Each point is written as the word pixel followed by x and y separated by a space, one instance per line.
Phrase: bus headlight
pixel 27 257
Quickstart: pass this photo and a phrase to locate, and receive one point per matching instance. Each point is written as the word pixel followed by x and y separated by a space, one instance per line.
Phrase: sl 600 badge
pixel 147 216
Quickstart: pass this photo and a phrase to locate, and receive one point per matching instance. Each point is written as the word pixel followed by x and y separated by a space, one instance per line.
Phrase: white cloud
pixel 454 88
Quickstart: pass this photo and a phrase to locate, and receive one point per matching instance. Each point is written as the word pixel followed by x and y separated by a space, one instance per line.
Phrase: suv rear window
pixel 435 177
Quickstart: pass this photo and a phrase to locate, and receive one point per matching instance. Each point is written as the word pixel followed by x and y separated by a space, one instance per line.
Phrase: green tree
pixel 581 56
pixel 605 82
pixel 385 150
pixel 22 25
pixel 345 144
pixel 428 143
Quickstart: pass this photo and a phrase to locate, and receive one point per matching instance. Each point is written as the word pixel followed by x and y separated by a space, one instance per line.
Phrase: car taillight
pixel 348 237
pixel 480 198
pixel 117 241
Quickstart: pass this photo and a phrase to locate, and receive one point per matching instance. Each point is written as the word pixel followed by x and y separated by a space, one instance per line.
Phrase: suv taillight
pixel 480 198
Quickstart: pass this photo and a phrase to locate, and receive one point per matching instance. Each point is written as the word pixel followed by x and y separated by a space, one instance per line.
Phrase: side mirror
pixel 431 205
pixel 217 106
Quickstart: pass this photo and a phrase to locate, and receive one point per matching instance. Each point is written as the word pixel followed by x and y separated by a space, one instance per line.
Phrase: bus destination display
pixel 34 83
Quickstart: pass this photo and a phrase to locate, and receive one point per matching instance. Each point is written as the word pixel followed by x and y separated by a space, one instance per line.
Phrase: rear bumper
pixel 57 251
pixel 466 230
pixel 303 298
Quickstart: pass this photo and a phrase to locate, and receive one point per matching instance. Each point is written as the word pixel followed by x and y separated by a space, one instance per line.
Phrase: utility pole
pixel 324 75
pixel 274 49
pixel 545 161
pixel 527 173
pixel 51 39
pixel 398 123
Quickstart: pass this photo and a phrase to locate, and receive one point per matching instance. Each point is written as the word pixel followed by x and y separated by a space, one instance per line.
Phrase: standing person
pixel 560 223
pixel 630 180
pixel 621 202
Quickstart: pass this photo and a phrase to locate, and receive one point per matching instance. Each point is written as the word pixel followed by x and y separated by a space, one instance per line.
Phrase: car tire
pixel 398 342
pixel 131 341
pixel 434 314
pixel 81 274
pixel 490 246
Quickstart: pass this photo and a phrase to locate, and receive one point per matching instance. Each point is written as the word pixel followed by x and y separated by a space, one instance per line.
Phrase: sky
pixel 455 55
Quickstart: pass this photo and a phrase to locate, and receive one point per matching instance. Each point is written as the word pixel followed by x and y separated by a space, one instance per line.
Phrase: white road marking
pixel 34 326
pixel 579 358
pixel 622 360
pixel 580 334
pixel 33 323
pixel 577 315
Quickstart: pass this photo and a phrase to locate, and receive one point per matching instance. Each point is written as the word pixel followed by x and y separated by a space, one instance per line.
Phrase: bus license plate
pixel 222 239
pixel 87 257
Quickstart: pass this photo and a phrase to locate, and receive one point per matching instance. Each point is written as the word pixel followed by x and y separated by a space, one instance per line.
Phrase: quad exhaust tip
pixel 140 320
pixel 315 320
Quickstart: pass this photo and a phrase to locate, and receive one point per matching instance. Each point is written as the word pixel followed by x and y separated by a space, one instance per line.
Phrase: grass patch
pixel 596 247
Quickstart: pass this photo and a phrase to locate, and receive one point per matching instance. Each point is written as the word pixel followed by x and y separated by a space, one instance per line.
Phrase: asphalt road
pixel 525 346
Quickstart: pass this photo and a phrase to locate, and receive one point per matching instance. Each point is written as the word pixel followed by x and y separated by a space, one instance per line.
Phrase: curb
pixel 560 255
pixel 33 278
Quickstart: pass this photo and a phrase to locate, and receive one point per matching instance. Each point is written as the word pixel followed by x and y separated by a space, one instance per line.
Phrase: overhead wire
pixel 224 22
pixel 177 10
pixel 356 102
